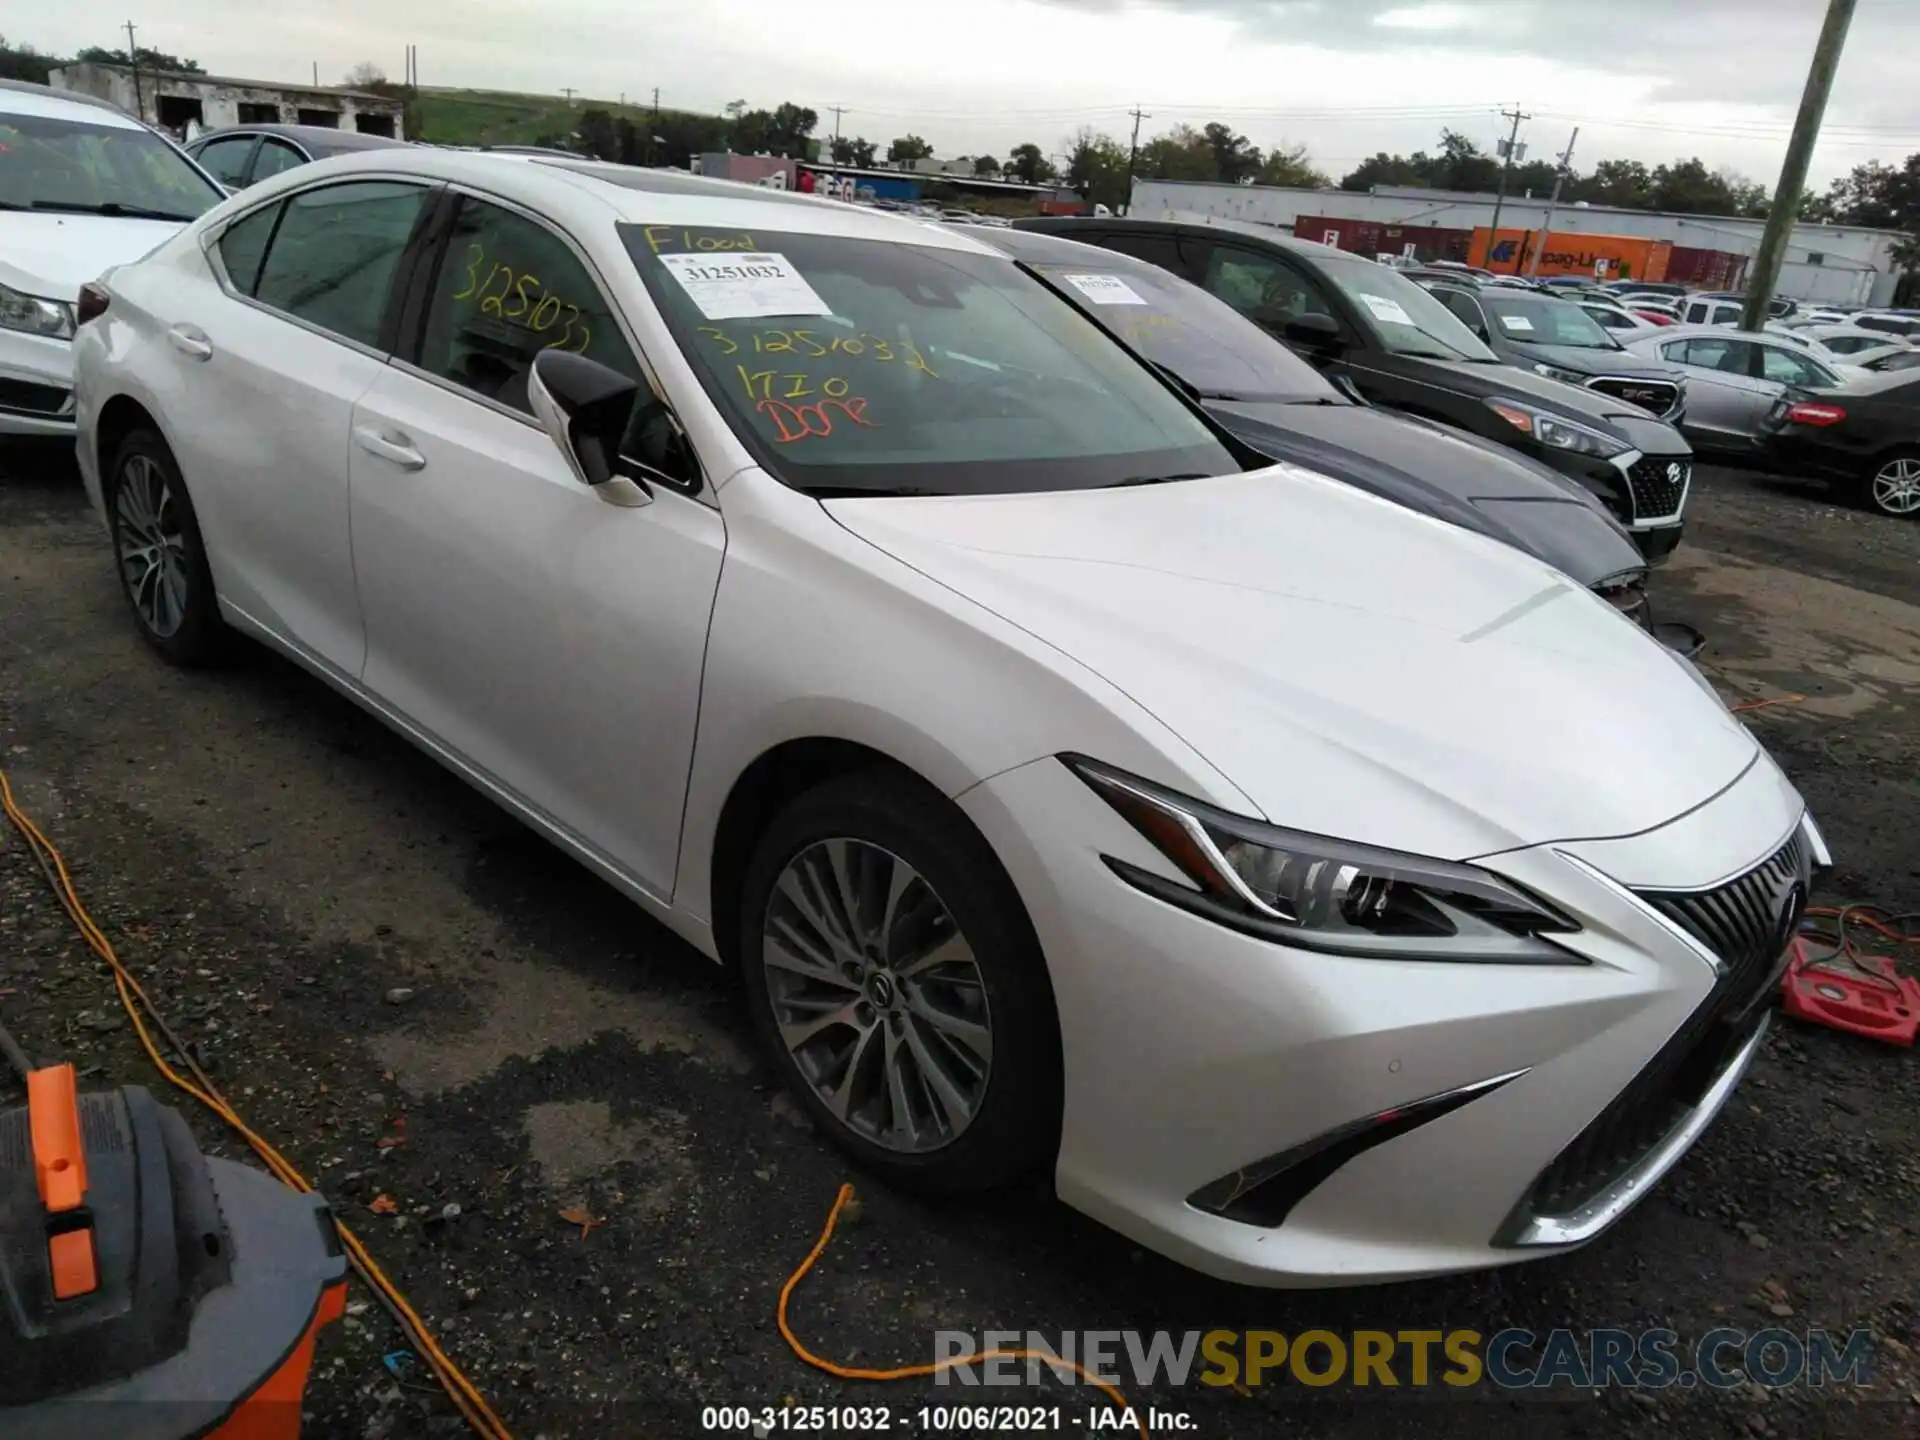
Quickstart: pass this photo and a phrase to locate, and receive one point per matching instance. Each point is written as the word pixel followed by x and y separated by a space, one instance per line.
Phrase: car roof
pixel 310 135
pixel 22 97
pixel 630 193
pixel 1213 225
pixel 1722 332
pixel 1043 247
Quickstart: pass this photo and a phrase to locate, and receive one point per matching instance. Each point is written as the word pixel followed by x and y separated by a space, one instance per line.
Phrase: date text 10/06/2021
pixel 765 1420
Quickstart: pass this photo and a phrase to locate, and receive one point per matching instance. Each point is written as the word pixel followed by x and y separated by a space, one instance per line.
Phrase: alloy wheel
pixel 877 995
pixel 1896 486
pixel 152 545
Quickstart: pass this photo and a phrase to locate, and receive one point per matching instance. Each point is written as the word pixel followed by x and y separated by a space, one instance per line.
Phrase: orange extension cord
pixel 914 1372
pixel 471 1404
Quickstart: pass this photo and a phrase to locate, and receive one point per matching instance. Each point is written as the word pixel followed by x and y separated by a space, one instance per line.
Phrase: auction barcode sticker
pixel 1105 289
pixel 744 285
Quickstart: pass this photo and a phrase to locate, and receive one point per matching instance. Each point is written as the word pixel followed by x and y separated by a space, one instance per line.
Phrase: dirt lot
pixel 275 863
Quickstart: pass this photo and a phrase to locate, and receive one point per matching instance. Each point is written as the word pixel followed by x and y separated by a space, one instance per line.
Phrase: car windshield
pixel 870 366
pixel 1539 320
pixel 1407 319
pixel 1204 342
pixel 82 168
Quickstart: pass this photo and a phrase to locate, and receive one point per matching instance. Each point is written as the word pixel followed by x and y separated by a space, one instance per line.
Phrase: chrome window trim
pixel 209 249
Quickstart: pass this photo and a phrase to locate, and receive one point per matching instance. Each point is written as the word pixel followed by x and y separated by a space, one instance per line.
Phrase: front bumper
pixel 1193 1053
pixel 36 385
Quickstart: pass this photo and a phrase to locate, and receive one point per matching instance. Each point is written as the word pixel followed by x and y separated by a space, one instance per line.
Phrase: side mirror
pixel 586 408
pixel 1318 334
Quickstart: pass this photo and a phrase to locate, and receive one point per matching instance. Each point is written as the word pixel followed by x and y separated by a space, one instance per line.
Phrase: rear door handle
pixel 191 340
pixel 389 445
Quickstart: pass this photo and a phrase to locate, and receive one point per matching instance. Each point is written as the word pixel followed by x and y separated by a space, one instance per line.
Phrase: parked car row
pixel 917 620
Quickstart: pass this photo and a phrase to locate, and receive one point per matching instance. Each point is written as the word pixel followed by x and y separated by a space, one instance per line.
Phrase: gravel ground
pixel 365 951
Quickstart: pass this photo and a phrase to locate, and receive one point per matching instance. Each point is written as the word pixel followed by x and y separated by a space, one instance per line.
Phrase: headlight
pixel 35 316
pixel 1557 433
pixel 1554 372
pixel 1324 894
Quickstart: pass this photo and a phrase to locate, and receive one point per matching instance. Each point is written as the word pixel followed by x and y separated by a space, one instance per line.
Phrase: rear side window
pixel 332 259
pixel 508 289
pixel 1161 250
pixel 275 156
pixel 243 245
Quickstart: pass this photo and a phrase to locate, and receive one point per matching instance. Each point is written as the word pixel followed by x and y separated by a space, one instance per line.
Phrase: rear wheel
pixel 897 986
pixel 1894 486
pixel 161 558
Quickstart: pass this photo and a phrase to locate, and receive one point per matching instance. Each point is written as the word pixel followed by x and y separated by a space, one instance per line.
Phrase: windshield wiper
pixel 113 208
pixel 1154 479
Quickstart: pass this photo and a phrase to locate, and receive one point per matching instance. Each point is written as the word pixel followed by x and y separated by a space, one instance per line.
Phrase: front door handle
pixel 191 340
pixel 389 445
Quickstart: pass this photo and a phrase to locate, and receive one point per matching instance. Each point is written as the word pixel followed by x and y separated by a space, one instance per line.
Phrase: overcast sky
pixel 1647 79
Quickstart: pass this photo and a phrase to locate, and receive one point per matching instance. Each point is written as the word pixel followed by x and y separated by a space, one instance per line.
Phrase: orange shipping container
pixel 1606 257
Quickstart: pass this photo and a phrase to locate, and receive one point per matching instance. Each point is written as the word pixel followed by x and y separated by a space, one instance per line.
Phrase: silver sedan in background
pixel 1733 379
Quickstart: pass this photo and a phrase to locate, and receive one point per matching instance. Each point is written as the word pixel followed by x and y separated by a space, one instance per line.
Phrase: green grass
pixel 491 117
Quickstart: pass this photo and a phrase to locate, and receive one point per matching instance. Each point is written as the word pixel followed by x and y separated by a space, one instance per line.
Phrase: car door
pixel 260 392
pixel 548 638
pixel 1725 397
pixel 226 158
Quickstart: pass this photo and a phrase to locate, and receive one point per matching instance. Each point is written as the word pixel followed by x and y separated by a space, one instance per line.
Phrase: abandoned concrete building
pixel 183 104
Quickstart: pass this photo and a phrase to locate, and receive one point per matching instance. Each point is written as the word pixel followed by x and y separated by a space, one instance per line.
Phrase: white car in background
pixel 83 186
pixel 1320 892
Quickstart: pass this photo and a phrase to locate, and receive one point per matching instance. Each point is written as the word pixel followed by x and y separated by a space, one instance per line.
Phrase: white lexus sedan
pixel 1322 893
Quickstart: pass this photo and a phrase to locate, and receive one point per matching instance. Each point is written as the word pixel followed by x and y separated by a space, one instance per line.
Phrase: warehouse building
pixel 1836 264
pixel 181 103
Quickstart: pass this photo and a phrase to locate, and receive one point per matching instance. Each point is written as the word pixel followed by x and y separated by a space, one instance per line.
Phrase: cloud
pixel 1726 51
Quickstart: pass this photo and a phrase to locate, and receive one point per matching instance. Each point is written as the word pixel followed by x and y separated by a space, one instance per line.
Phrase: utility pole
pixel 653 126
pixel 133 63
pixel 1559 179
pixel 838 111
pixel 1793 170
pixel 316 74
pixel 1133 150
pixel 1508 155
pixel 569 92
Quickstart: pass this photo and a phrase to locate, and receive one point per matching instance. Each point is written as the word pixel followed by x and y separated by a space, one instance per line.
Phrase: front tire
pixel 159 553
pixel 897 986
pixel 1893 485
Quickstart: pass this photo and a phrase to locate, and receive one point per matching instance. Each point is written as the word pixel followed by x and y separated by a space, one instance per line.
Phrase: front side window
pixel 226 160
pixel 508 289
pixel 83 168
pixel 1466 307
pixel 1540 320
pixel 1262 288
pixel 1407 319
pixel 332 258
pixel 1203 341
pixel 869 366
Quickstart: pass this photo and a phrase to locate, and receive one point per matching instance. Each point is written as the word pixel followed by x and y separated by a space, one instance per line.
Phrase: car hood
pixel 1591 362
pixel 52 255
pixel 1354 668
pixel 1448 474
pixel 1485 380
